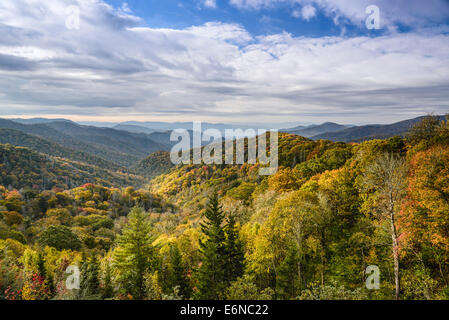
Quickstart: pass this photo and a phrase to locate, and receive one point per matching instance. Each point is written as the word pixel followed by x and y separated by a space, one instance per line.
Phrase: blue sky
pixel 223 60
pixel 182 14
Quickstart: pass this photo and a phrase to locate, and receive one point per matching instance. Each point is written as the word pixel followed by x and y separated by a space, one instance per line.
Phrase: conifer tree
pixel 287 276
pixel 179 273
pixel 134 256
pixel 234 251
pixel 90 282
pixel 108 290
pixel 211 274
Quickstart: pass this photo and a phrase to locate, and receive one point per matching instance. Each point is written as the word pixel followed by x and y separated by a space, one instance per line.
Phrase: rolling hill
pixel 120 147
pixel 154 165
pixel 22 167
pixel 125 142
pixel 311 131
pixel 369 132
pixel 41 145
pixel 134 128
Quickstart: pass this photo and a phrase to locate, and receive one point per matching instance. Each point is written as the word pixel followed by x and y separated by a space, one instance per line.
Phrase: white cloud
pixel 308 12
pixel 210 3
pixel 413 13
pixel 125 8
pixel 114 66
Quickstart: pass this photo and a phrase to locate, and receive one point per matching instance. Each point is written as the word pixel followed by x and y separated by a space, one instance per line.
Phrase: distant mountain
pixel 317 129
pixel 47 132
pixel 136 144
pixel 134 128
pixel 22 167
pixel 369 132
pixel 38 120
pixel 294 129
pixel 41 145
pixel 165 126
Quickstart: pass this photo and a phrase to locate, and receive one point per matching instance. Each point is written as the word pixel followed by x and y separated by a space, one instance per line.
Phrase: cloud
pixel 210 3
pixel 412 13
pixel 308 12
pixel 115 66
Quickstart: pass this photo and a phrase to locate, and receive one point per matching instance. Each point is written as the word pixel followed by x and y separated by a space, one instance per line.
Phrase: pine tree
pixel 179 273
pixel 211 274
pixel 108 290
pixel 134 256
pixel 46 279
pixel 90 282
pixel 287 276
pixel 84 264
pixel 235 255
pixel 41 266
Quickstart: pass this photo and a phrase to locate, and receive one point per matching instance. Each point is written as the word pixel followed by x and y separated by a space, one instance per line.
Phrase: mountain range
pixel 138 149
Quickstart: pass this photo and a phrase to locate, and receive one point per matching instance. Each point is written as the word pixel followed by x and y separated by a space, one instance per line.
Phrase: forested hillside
pixel 224 232
pixel 154 165
pixel 21 139
pixel 119 147
pixel 21 168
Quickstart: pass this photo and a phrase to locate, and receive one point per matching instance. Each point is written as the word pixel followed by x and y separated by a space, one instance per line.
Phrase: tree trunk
pixel 395 255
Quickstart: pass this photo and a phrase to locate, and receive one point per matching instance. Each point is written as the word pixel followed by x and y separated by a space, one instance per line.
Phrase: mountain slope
pixel 319 129
pixel 133 128
pixel 156 164
pixel 21 139
pixel 121 147
pixel 111 139
pixel 44 131
pixel 370 132
pixel 22 167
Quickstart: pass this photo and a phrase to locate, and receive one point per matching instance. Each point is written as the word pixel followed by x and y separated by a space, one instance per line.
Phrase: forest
pixel 223 232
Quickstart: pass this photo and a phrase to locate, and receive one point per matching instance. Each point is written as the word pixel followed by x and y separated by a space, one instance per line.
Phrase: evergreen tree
pixel 46 278
pixel 84 264
pixel 134 256
pixel 90 282
pixel 108 290
pixel 235 254
pixel 180 279
pixel 287 276
pixel 41 266
pixel 211 274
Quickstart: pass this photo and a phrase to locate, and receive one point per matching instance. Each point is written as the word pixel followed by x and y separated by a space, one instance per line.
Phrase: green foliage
pixel 287 275
pixel 90 279
pixel 234 252
pixel 134 256
pixel 21 167
pixel 307 232
pixel 211 275
pixel 332 291
pixel 154 165
pixel 245 289
pixel 59 237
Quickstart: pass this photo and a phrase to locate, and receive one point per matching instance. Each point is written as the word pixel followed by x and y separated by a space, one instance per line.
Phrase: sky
pixel 234 61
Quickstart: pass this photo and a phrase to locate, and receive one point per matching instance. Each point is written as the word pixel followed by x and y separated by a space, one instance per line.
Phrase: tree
pixel 60 237
pixel 386 178
pixel 424 130
pixel 287 278
pixel 245 289
pixel 134 256
pixel 42 272
pixel 108 289
pixel 90 284
pixel 180 279
pixel 211 274
pixel 234 252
